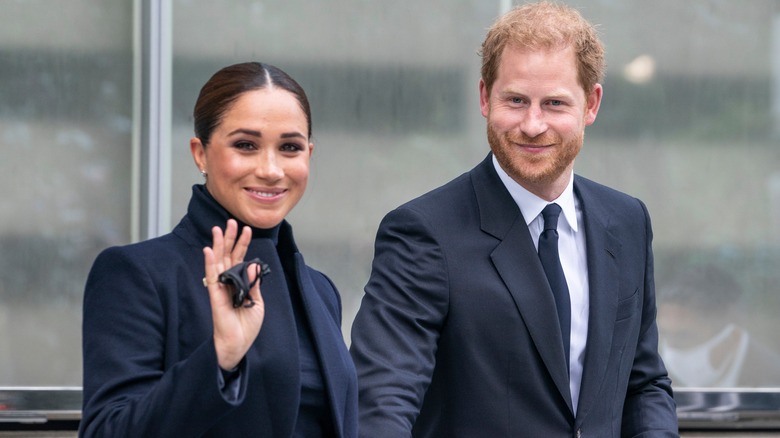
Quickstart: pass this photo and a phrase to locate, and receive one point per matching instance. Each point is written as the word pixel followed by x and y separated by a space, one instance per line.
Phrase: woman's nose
pixel 268 166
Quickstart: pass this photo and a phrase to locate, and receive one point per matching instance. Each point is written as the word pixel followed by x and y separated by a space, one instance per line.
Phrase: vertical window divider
pixel 153 59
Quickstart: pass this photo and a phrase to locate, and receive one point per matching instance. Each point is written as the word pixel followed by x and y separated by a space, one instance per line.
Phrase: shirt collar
pixel 531 205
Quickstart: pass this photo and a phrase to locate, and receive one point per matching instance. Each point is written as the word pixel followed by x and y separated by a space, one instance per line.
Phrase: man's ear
pixel 484 98
pixel 593 103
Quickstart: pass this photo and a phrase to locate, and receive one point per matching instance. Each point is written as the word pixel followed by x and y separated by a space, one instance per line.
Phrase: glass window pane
pixel 65 134
pixel 688 124
pixel 394 101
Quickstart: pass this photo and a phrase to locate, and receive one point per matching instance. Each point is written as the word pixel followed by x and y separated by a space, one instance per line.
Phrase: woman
pixel 166 353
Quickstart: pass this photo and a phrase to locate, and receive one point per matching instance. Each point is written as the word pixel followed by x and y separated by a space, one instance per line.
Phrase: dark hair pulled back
pixel 229 83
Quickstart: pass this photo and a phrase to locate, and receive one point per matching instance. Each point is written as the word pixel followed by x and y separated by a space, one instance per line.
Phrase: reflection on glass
pixel 705 337
pixel 687 125
pixel 65 136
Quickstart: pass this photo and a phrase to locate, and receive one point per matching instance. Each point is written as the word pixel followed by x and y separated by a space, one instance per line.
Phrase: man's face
pixel 536 117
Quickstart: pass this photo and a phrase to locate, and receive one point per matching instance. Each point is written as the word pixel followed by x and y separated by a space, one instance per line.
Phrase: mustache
pixel 540 140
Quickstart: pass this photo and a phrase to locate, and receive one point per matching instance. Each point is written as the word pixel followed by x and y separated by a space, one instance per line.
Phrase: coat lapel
pixel 518 265
pixel 328 340
pixel 603 250
pixel 278 329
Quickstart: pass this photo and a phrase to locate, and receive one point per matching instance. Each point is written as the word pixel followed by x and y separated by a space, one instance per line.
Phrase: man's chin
pixel 530 174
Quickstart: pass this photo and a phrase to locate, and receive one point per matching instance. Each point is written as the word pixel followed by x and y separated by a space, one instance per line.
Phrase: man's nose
pixel 533 122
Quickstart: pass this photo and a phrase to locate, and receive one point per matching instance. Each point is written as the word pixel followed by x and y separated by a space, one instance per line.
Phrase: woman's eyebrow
pixel 294 134
pixel 246 131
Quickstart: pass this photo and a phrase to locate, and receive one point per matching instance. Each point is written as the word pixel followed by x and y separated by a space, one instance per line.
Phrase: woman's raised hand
pixel 235 328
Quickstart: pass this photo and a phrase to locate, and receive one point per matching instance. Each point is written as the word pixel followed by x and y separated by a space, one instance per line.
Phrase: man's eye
pixel 556 102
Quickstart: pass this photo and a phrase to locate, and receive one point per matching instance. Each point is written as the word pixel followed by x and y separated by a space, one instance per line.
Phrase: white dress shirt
pixel 571 249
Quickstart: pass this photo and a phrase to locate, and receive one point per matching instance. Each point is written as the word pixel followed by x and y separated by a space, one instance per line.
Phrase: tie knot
pixel 550 215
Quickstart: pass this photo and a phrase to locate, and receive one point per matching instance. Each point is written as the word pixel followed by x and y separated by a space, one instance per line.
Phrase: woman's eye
pixel 291 147
pixel 244 146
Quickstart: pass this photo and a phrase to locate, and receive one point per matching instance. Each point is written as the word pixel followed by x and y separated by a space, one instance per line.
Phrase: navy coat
pixel 457 334
pixel 150 367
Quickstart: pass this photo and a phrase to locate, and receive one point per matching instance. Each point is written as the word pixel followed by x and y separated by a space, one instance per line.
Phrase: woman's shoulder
pixel 153 254
pixel 154 248
pixel 152 272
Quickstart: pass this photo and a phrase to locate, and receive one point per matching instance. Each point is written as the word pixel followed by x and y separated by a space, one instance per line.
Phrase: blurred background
pixel 95 117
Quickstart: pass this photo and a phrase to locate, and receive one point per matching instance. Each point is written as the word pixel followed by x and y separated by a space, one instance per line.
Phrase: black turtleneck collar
pixel 205 212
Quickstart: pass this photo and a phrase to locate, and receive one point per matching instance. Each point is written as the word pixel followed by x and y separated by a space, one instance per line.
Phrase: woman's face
pixel 257 161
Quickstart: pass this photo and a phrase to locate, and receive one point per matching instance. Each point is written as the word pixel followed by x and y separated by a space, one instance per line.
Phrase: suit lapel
pixel 523 275
pixel 603 250
pixel 518 265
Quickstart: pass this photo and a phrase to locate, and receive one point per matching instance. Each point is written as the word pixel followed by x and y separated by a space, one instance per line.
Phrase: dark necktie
pixel 548 253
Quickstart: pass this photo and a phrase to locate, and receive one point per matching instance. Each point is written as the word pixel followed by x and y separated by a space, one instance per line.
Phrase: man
pixel 459 334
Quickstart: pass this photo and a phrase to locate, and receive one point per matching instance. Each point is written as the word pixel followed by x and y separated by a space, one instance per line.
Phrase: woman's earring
pixel 203 172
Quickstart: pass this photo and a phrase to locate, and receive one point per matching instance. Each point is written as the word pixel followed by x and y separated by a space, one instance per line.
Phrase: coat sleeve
pixel 649 409
pixel 129 390
pixel 396 330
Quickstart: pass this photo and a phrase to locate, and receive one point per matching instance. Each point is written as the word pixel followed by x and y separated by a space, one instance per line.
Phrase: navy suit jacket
pixel 457 334
pixel 150 368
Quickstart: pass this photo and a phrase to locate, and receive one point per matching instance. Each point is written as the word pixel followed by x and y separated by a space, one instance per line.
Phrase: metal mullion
pixel 152 112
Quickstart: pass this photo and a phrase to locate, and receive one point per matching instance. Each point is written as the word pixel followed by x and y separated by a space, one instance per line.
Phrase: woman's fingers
pixel 217 293
pixel 235 329
pixel 228 249
pixel 235 246
pixel 211 269
pixel 241 246
pixel 218 249
pixel 231 232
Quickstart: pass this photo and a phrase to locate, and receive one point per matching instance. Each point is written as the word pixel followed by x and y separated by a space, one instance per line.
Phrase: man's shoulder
pixel 589 190
pixel 608 204
pixel 440 210
pixel 455 192
pixel 454 188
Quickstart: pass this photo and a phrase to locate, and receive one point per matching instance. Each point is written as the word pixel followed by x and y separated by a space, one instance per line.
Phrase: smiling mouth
pixel 533 145
pixel 262 194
